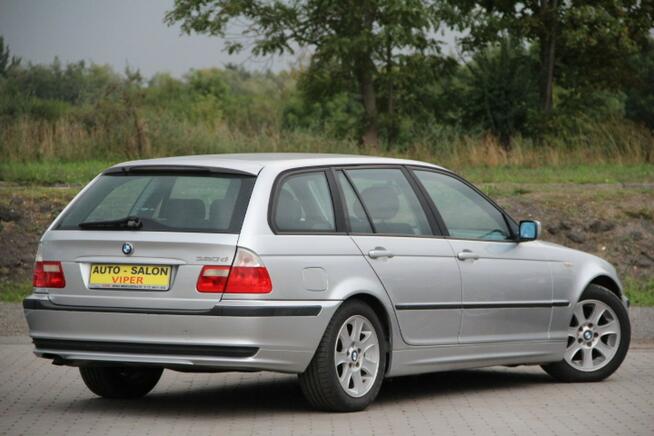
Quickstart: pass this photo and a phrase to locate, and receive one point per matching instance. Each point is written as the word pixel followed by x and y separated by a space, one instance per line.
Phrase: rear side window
pixel 179 202
pixel 304 204
pixel 390 201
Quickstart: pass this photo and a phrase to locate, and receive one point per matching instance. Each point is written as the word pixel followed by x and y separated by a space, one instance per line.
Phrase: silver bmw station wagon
pixel 341 269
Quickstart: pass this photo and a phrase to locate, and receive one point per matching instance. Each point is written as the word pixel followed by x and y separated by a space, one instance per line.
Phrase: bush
pixel 430 107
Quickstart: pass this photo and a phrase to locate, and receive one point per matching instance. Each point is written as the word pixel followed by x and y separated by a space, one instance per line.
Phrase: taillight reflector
pixel 48 274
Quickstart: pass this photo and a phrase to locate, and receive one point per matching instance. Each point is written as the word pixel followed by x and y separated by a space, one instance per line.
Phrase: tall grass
pixel 70 139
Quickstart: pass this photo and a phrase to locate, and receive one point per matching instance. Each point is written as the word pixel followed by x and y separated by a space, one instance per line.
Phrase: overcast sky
pixel 115 32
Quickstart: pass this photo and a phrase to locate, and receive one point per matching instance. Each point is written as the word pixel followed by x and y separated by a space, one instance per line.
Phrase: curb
pixel 642 323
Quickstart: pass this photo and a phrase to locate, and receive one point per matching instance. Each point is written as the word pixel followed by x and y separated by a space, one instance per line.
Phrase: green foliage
pixel 575 174
pixel 413 96
pixel 640 292
pixel 52 171
pixel 498 91
pixel 325 101
pixel 14 292
pixel 366 39
pixel 7 61
pixel 639 105
pixel 465 111
pixel 583 45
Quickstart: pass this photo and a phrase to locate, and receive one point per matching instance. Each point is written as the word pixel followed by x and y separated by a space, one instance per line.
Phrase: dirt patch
pixel 614 222
pixel 25 213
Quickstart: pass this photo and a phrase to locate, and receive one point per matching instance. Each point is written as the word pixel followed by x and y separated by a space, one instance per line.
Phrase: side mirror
pixel 529 230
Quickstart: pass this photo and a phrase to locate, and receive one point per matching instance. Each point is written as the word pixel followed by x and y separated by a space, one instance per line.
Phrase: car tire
pixel 573 367
pixel 120 382
pixel 325 383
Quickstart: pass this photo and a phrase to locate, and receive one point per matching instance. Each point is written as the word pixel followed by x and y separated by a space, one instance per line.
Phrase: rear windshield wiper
pixel 129 223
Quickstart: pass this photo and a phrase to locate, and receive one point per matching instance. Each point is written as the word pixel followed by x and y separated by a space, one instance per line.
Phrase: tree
pixel 589 40
pixel 364 37
pixel 497 90
pixel 7 62
pixel 640 94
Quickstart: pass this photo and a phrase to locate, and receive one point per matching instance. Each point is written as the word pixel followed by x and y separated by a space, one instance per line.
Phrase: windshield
pixel 176 202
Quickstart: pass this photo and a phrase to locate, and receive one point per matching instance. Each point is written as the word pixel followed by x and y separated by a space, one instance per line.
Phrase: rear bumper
pixel 235 335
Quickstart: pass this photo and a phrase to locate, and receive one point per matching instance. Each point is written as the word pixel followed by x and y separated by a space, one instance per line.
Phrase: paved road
pixel 38 398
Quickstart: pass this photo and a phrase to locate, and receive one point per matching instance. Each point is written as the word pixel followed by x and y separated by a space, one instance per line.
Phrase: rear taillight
pixel 213 278
pixel 247 275
pixel 48 274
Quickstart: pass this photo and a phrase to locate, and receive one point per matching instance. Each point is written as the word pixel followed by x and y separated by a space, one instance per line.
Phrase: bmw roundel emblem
pixel 127 248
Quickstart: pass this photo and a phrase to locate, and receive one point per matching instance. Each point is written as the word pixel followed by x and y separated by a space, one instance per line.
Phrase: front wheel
pixel 347 370
pixel 598 338
pixel 120 382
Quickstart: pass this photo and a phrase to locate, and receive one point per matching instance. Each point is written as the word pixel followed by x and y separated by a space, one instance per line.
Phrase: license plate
pixel 148 277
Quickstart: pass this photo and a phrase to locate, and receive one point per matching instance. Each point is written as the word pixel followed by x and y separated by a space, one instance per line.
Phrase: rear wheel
pixel 120 382
pixel 347 370
pixel 598 338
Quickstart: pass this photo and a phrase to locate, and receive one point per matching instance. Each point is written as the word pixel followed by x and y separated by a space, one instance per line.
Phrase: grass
pixel 14 292
pixel 51 172
pixel 81 172
pixel 640 293
pixel 577 174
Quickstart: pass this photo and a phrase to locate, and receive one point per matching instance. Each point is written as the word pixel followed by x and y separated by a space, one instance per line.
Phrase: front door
pixel 507 286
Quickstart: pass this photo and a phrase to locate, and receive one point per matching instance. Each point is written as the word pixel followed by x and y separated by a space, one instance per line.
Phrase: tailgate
pixel 168 264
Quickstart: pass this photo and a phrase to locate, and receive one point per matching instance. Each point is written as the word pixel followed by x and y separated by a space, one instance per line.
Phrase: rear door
pixel 507 286
pixel 389 223
pixel 178 221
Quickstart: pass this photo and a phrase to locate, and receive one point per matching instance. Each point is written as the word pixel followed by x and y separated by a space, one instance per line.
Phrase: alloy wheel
pixel 593 336
pixel 356 356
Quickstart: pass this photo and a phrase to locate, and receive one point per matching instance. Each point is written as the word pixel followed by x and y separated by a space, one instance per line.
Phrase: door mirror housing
pixel 529 230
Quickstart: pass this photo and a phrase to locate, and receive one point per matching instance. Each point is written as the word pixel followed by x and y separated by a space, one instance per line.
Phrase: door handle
pixel 378 252
pixel 467 255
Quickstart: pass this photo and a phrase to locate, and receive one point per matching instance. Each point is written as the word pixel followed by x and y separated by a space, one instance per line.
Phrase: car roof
pixel 253 163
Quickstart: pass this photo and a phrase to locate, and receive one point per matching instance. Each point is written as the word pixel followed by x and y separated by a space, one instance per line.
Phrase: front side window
pixel 467 215
pixel 390 202
pixel 178 202
pixel 304 204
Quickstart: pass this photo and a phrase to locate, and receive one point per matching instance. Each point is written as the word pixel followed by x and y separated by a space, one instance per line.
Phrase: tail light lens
pixel 48 274
pixel 247 275
pixel 213 278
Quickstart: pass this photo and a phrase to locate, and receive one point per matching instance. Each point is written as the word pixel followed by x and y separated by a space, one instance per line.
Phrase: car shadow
pixel 282 394
pixel 456 383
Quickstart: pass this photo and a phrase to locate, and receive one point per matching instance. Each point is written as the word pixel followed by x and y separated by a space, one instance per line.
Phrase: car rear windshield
pixel 168 202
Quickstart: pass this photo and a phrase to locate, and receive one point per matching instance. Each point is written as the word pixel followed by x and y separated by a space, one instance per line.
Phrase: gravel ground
pixel 37 398
pixel 12 321
pixel 642 323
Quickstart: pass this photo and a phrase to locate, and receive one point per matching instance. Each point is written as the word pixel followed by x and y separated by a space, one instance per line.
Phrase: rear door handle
pixel 467 255
pixel 378 252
